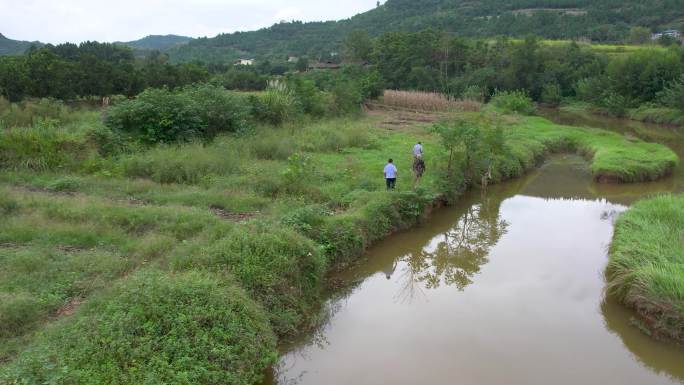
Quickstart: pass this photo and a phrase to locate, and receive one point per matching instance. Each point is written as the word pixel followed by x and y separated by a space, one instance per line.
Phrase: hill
pixel 14 47
pixel 159 42
pixel 595 20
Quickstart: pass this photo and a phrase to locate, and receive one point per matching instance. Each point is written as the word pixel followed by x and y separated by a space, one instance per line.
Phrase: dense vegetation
pixel 14 47
pixel 646 268
pixel 69 71
pixel 645 83
pixel 134 252
pixel 598 21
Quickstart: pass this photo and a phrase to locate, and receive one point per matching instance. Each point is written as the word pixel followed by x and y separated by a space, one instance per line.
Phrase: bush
pixel 551 94
pixel 309 98
pixel 282 269
pixel 615 104
pixel 346 98
pixel 241 79
pixel 220 111
pixel 673 94
pixel 158 116
pixel 591 89
pixel 513 101
pixel 274 106
pixel 185 328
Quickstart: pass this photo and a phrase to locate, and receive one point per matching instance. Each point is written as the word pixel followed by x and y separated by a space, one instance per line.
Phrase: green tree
pixel 358 45
pixel 639 35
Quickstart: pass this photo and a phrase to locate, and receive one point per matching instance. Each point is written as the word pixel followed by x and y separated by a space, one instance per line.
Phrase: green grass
pixel 614 157
pixel 646 267
pixel 245 227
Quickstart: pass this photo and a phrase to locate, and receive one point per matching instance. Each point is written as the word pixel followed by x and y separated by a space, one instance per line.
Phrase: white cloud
pixel 56 21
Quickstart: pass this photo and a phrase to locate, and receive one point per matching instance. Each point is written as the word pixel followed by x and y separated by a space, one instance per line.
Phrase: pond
pixel 505 287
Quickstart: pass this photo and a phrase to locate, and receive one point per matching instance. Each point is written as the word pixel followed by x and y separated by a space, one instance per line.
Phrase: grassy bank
pixel 186 263
pixel 647 113
pixel 646 268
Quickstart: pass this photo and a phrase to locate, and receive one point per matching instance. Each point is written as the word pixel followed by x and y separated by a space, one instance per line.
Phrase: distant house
pixel 292 59
pixel 670 32
pixel 244 62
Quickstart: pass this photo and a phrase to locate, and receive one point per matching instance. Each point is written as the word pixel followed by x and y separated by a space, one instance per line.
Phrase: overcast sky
pixel 57 21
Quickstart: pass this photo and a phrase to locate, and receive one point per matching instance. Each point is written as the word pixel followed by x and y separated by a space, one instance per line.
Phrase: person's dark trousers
pixel 390 183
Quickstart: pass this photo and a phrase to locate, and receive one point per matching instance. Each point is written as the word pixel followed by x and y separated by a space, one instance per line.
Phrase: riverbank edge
pixel 638 257
pixel 348 236
pixel 344 238
pixel 646 114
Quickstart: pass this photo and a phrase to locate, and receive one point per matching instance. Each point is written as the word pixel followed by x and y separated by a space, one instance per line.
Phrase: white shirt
pixel 417 150
pixel 390 171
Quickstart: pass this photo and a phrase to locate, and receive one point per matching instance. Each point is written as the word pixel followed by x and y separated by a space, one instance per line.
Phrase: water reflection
pixel 662 358
pixel 455 256
pixel 505 288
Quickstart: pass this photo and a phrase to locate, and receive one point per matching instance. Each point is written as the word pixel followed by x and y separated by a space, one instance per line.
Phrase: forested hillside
pixel 160 42
pixel 599 20
pixel 14 47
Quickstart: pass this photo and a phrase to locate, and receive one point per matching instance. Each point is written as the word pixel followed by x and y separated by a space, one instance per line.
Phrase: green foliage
pixel 646 262
pixel 615 104
pixel 155 328
pixel 275 106
pixel 599 21
pixel 673 94
pixel 551 94
pixel 164 116
pixel 639 35
pixel 513 102
pixel 221 111
pixel 282 269
pixel 8 205
pixel 158 116
pixel 188 165
pixel 66 184
pixel 243 79
pixel 41 147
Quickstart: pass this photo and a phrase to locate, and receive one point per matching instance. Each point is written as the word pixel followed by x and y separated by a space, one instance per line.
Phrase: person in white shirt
pixel 418 150
pixel 391 173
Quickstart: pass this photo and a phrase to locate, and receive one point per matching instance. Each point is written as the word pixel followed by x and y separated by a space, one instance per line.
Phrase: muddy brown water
pixel 505 287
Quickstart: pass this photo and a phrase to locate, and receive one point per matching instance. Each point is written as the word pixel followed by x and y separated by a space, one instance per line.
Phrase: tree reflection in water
pixel 454 257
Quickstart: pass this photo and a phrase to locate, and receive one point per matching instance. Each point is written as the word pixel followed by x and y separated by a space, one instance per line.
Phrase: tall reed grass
pixel 427 101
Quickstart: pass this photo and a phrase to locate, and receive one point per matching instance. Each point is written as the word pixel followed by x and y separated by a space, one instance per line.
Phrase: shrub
pixel 220 111
pixel 184 328
pixel 282 269
pixel 310 99
pixel 591 89
pixel 513 102
pixel 346 98
pixel 241 79
pixel 551 94
pixel 109 142
pixel 673 94
pixel 158 116
pixel 615 104
pixel 274 106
